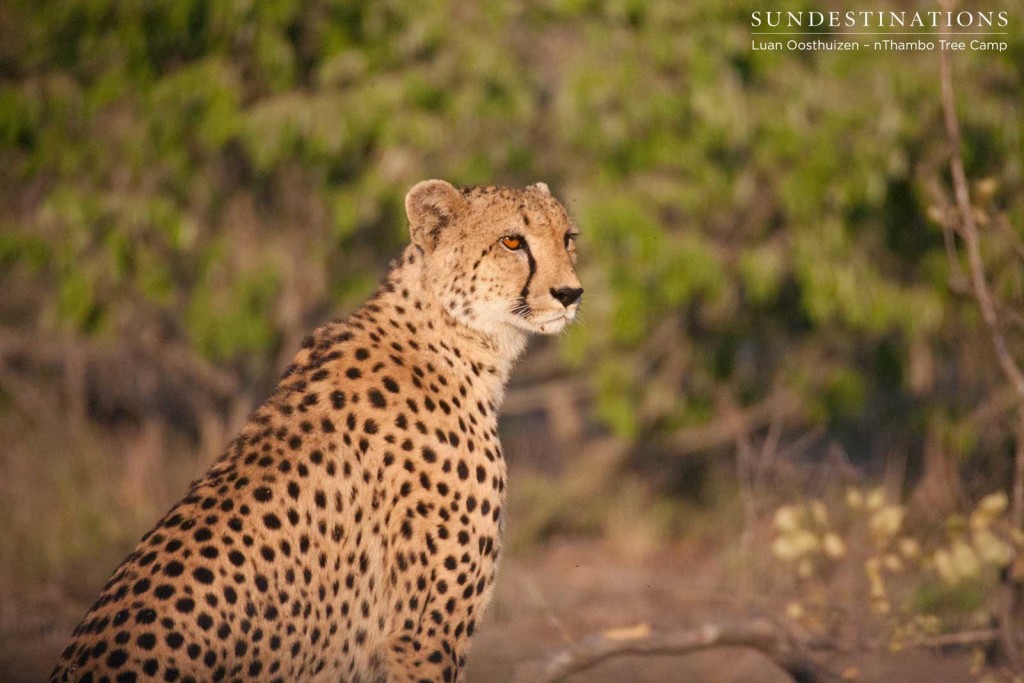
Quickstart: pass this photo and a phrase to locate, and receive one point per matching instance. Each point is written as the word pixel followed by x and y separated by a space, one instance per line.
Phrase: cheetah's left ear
pixel 431 206
pixel 543 187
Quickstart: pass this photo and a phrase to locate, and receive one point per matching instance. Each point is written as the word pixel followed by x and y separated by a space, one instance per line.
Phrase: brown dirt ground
pixel 570 590
pixel 552 596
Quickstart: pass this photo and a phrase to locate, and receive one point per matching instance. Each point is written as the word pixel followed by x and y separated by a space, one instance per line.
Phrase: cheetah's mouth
pixel 555 322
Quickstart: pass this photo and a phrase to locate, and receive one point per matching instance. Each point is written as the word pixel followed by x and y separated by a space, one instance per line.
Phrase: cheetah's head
pixel 497 258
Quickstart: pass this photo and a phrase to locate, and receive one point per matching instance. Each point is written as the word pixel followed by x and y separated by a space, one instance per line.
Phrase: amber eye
pixel 513 242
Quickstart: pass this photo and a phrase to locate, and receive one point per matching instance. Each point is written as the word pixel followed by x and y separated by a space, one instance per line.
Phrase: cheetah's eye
pixel 513 242
pixel 570 237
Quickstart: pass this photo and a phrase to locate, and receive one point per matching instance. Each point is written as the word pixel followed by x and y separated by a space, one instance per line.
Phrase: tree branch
pixel 778 408
pixel 969 231
pixel 1010 594
pixel 757 634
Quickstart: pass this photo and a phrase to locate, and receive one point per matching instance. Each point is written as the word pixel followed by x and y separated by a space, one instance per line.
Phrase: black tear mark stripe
pixel 525 291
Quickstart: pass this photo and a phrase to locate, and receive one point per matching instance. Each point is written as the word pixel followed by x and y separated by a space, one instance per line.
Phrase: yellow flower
pixel 872 567
pixel 965 560
pixel 833 546
pixel 794 611
pixel 794 545
pixel 886 522
pixel 992 549
pixel 854 498
pixel 875 499
pixel 909 548
pixel 892 563
pixel 788 518
pixel 988 510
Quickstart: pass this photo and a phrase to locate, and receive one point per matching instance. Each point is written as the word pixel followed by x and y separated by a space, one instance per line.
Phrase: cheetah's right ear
pixel 431 205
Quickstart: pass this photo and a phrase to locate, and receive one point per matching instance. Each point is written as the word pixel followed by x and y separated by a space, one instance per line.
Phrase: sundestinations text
pixel 879 19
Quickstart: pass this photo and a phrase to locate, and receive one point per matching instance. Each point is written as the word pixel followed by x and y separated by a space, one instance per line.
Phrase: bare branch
pixel 1008 600
pixel 777 408
pixel 758 634
pixel 982 636
pixel 969 231
pixel 523 400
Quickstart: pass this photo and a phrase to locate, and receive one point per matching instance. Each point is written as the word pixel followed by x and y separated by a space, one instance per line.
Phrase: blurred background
pixel 782 397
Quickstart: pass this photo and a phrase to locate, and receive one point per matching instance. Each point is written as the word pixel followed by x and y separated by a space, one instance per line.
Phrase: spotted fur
pixel 352 529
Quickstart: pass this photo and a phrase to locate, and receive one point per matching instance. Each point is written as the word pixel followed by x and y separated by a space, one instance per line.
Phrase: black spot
pixel 353 373
pixel 117 658
pixel 262 494
pixel 376 398
pixel 203 575
pixel 391 385
pixel 271 521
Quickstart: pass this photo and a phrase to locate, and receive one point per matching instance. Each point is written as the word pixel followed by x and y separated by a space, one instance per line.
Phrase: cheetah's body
pixel 351 530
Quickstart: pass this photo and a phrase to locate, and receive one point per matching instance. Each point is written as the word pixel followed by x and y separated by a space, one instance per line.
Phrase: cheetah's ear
pixel 431 206
pixel 543 187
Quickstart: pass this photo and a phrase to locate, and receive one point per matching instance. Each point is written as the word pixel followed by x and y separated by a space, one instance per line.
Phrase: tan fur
pixel 352 529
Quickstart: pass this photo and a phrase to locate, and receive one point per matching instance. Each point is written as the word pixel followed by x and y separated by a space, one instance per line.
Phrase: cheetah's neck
pixel 406 293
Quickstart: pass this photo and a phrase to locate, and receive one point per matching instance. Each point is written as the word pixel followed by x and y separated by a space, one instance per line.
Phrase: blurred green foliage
pixel 227 174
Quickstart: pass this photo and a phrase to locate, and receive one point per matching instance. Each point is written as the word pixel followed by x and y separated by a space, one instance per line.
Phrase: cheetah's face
pixel 497 258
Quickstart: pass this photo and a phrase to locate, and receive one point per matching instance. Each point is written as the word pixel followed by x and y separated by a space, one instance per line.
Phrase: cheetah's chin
pixel 554 325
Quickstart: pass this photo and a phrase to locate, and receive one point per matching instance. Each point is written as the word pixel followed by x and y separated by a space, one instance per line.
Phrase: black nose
pixel 567 295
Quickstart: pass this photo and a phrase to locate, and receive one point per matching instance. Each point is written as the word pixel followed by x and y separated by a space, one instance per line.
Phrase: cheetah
pixel 351 530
